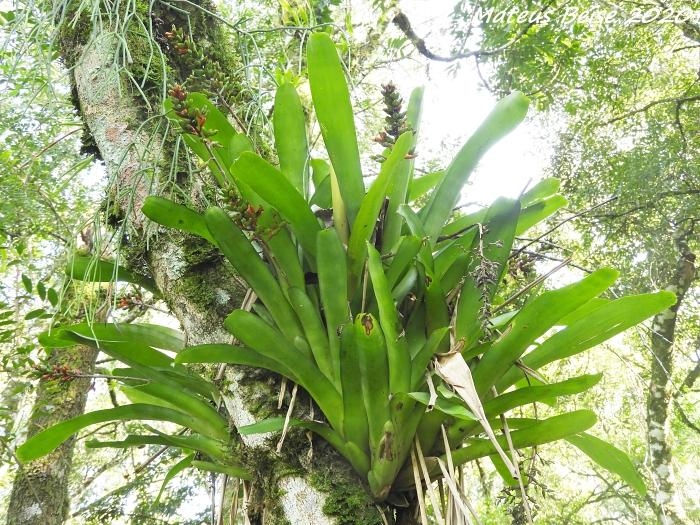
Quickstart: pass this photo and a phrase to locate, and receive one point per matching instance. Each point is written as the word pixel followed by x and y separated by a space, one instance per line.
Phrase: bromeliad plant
pixel 386 315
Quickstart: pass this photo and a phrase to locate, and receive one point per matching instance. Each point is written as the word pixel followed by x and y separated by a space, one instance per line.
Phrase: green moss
pixel 267 468
pixel 347 497
pixel 73 31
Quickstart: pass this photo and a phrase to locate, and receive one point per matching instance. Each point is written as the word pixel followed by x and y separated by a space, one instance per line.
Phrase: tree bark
pixel 201 289
pixel 660 396
pixel 40 489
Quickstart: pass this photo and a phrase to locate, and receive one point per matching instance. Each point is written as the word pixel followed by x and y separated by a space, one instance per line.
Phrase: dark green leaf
pixel 89 269
pixel 34 314
pixel 173 215
pixel 27 283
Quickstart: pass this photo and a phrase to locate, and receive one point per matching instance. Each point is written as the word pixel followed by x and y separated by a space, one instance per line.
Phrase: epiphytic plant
pixel 384 314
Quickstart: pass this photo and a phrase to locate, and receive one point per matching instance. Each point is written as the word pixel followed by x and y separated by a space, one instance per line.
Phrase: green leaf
pixel 535 433
pixel 398 187
pixel 41 290
pixel 543 189
pixel 531 322
pixel 230 470
pixel 421 185
pixel 403 258
pixel 601 324
pixel 419 364
pixel 369 210
pixel 237 249
pixel 272 186
pixel 399 359
pixel 355 423
pixel 331 100
pixel 371 350
pixel 82 268
pixel 314 330
pixel 27 283
pixel 234 354
pixel 34 314
pixel 173 215
pixel 48 440
pixel 444 406
pixel 507 114
pixel 211 424
pixel 213 448
pixel 501 220
pixel 257 334
pixel 153 335
pixel 540 393
pixel 52 296
pixel 333 288
pixel 187 379
pixel 290 137
pixel 610 458
pixel 357 458
pixel 539 211
pixel 322 184
pixel 218 144
pixel 178 467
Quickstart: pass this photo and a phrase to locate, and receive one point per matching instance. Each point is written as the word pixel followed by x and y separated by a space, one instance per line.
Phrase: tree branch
pixel 403 23
pixel 669 100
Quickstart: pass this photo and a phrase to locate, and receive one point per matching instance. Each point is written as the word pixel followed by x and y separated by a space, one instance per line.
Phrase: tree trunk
pixel 201 289
pixel 40 489
pixel 660 395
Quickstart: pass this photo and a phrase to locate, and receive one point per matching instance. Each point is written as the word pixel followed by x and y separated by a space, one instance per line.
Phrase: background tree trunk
pixel 660 396
pixel 40 489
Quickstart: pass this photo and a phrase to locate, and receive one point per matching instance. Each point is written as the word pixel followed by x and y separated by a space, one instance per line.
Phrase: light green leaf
pixel 48 440
pixel 181 465
pixel 600 325
pixel 153 335
pixel 290 137
pixel 272 186
pixel 610 458
pixel 531 322
pixel 369 210
pixel 539 393
pixel 507 114
pixel 230 470
pixel 334 112
pixel 237 249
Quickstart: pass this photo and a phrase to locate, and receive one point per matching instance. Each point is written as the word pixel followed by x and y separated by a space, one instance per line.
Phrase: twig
pixel 534 283
pixel 646 107
pixel 560 224
pixel 403 23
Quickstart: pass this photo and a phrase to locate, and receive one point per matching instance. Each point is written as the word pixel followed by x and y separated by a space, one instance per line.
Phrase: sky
pixel 455 105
